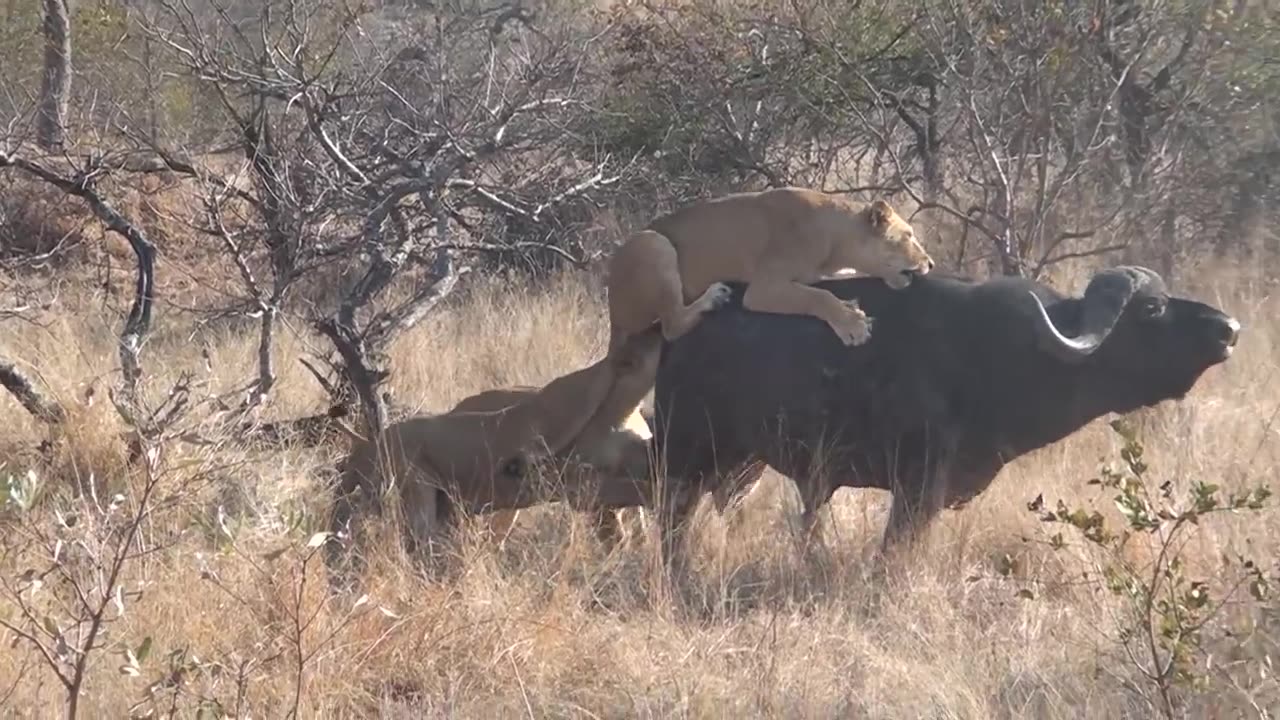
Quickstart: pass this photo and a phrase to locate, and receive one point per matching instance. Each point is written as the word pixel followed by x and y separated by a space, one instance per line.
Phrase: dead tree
pixel 55 85
pixel 1030 127
pixel 82 184
pixel 390 162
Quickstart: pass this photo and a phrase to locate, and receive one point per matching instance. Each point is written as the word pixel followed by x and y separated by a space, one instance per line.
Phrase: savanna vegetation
pixel 227 224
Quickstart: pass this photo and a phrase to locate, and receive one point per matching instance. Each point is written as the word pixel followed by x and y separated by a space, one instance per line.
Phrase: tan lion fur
pixel 483 454
pixel 618 454
pixel 777 241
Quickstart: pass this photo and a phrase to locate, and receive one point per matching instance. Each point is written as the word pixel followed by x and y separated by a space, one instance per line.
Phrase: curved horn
pixel 1108 293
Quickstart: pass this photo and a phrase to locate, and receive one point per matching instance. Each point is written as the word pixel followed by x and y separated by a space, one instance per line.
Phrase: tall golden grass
pixel 552 625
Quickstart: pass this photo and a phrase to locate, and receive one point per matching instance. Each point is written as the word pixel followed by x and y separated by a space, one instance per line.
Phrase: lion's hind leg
pixel 848 321
pixel 645 286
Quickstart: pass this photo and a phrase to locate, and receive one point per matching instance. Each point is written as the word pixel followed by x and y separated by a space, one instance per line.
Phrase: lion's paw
pixel 855 326
pixel 717 294
pixel 856 334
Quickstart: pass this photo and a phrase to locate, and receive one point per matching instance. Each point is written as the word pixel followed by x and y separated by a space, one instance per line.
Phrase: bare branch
pixel 44 409
pixel 138 322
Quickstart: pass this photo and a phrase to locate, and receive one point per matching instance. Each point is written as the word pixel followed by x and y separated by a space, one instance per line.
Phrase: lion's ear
pixel 880 213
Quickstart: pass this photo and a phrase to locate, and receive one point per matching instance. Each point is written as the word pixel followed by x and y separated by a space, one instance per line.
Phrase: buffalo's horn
pixel 1104 300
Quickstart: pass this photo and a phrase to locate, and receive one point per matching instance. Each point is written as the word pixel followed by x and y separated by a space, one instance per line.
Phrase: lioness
pixel 619 455
pixel 476 460
pixel 777 241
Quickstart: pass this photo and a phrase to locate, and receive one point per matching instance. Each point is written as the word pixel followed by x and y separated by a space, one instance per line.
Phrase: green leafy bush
pixel 1172 608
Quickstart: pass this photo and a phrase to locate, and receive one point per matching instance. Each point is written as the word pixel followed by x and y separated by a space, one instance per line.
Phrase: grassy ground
pixel 550 625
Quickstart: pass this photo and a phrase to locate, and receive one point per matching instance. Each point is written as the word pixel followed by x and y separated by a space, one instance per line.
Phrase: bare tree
pixel 393 155
pixel 721 98
pixel 63 610
pixel 55 86
pixel 81 182
pixel 1027 125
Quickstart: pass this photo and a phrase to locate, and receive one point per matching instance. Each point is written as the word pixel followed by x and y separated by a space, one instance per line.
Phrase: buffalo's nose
pixel 1227 332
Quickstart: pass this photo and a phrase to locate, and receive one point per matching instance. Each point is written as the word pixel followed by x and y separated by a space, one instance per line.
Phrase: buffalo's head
pixel 1128 324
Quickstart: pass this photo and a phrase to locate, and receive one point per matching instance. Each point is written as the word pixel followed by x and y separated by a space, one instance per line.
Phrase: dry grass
pixel 552 626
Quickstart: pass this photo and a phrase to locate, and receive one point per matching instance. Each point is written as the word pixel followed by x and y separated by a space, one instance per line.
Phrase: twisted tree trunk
pixel 55 87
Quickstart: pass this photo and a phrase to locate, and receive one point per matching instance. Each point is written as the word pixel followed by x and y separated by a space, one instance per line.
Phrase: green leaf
pixel 210 708
pixel 144 649
pixel 1004 564
pixel 1198 595
pixel 273 554
pixel 1259 498
pixel 1123 429
pixel 1259 588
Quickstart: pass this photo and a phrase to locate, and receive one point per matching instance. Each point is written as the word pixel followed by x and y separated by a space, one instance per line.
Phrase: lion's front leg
pixel 846 319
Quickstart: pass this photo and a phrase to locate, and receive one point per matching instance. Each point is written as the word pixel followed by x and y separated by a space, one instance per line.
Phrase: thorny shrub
pixel 1173 613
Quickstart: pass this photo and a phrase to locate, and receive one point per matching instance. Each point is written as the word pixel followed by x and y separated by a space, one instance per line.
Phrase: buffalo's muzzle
pixel 1226 332
pixel 1229 332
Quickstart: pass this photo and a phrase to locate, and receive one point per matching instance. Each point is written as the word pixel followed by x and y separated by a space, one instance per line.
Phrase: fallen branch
pixel 308 431
pixel 514 247
pixel 44 409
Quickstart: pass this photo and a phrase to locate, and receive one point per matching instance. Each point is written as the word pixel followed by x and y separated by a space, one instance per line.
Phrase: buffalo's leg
pixel 675 507
pixel 911 511
pixel 815 493
pixel 729 495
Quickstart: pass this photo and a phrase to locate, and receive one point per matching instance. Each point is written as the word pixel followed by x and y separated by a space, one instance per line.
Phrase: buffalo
pixel 959 378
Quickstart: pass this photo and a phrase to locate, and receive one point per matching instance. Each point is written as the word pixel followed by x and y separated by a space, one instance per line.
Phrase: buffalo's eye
pixel 514 467
pixel 1152 308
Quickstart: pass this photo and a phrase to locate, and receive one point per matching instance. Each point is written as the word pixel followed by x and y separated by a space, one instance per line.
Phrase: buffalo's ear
pixel 880 213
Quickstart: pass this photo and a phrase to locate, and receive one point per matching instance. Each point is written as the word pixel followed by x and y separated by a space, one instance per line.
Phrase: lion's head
pixel 895 255
pixel 487 452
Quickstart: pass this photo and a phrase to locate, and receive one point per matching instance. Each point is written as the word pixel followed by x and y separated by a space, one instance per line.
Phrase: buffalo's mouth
pixel 1226 334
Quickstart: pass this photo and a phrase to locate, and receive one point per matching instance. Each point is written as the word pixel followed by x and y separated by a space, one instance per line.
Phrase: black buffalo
pixel 959 377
